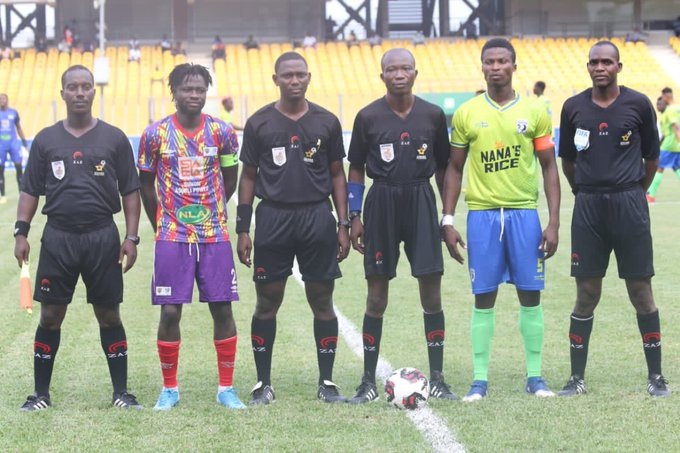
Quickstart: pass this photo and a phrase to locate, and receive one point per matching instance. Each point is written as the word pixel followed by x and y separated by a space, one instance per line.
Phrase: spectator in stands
pixel 226 115
pixel 635 36
pixel 539 91
pixel 41 43
pixel 63 46
pixel 218 49
pixel 418 38
pixel 178 49
pixel 676 27
pixel 352 39
pixel 251 43
pixel 374 39
pixel 165 43
pixel 470 30
pixel 330 29
pixel 68 35
pixel 5 52
pixel 134 53
pixel 309 41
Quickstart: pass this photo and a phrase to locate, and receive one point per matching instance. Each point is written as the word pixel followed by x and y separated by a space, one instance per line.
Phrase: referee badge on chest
pixel 58 169
pixel 387 152
pixel 279 155
pixel 581 139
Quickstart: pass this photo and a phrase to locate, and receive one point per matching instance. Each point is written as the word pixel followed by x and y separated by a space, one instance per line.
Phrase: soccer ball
pixel 407 388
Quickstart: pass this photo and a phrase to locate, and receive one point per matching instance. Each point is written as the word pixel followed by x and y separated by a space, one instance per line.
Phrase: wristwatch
pixel 344 223
pixel 354 214
pixel 132 238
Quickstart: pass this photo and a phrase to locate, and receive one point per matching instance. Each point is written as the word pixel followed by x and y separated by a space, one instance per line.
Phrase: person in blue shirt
pixel 9 128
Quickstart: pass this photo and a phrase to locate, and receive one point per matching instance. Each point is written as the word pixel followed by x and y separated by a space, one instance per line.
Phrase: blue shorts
pixel 503 247
pixel 177 264
pixel 669 159
pixel 14 150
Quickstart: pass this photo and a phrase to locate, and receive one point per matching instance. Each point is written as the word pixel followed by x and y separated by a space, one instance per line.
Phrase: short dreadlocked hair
pixel 183 71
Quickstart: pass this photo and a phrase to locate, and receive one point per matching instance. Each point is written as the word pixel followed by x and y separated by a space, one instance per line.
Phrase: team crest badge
pixel 522 126
pixel 422 152
pixel 279 155
pixel 387 152
pixel 58 169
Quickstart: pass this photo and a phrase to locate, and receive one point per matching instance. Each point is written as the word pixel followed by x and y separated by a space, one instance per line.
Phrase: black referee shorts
pixel 617 221
pixel 305 231
pixel 395 213
pixel 65 255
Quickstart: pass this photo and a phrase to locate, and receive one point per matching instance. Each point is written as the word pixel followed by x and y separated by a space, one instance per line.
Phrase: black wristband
pixel 21 228
pixel 244 214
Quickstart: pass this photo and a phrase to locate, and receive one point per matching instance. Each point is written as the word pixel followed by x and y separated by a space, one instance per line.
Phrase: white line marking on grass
pixel 427 422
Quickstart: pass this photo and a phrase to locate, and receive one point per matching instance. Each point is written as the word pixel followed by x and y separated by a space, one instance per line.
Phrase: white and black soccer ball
pixel 407 388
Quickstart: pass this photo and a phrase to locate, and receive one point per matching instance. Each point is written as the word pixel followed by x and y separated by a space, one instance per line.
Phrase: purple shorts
pixel 176 264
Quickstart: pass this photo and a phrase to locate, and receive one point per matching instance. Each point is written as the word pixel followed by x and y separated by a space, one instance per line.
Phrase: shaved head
pixel 396 52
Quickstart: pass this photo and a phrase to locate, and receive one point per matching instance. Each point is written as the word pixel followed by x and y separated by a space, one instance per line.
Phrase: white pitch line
pixel 427 422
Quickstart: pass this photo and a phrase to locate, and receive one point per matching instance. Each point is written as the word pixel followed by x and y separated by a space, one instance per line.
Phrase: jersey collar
pixel 501 108
pixel 188 135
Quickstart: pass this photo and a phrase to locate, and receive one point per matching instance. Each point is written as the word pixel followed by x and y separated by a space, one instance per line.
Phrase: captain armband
pixel 355 196
pixel 543 143
pixel 228 160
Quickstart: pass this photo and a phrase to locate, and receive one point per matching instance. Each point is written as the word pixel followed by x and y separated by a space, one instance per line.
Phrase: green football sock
pixel 483 324
pixel 677 173
pixel 656 182
pixel 531 328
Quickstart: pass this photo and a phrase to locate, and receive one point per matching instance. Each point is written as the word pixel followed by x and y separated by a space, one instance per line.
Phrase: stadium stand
pixel 343 78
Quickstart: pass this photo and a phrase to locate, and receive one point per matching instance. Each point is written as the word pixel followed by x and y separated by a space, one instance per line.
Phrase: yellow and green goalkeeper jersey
pixel 501 143
pixel 669 117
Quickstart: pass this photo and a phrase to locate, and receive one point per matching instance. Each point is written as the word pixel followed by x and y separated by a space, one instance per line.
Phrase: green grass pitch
pixel 616 415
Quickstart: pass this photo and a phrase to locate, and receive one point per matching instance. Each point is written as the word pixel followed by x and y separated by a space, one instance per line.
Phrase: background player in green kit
pixel 503 135
pixel 670 142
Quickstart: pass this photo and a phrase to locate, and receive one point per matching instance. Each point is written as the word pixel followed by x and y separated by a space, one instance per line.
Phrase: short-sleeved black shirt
pixel 615 138
pixel 81 177
pixel 396 149
pixel 292 157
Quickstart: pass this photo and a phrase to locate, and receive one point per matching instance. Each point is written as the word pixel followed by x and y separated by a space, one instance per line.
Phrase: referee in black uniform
pixel 292 158
pixel 82 166
pixel 400 141
pixel 609 147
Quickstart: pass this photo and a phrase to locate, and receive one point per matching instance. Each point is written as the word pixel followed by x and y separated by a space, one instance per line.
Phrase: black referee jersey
pixel 292 157
pixel 81 177
pixel 608 144
pixel 400 150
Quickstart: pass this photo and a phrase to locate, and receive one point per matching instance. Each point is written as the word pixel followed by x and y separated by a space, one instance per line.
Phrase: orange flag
pixel 25 299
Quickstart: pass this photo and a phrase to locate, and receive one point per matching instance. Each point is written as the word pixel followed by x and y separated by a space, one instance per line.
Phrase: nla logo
pixel 193 214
